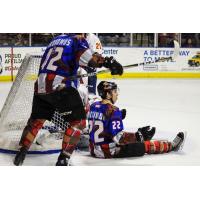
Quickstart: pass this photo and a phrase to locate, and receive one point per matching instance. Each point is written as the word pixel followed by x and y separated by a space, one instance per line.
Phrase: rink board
pixel 137 75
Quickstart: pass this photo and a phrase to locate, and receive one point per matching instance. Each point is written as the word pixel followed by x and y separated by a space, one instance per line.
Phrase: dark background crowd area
pixel 189 40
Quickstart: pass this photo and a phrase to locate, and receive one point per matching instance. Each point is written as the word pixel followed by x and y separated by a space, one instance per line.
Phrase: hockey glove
pixel 147 132
pixel 114 66
pixel 123 111
pixel 139 137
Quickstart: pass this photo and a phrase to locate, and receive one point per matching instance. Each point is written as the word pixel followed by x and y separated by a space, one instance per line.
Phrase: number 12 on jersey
pixel 50 60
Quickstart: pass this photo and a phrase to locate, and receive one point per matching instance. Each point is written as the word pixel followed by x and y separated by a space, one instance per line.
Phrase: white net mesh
pixel 17 109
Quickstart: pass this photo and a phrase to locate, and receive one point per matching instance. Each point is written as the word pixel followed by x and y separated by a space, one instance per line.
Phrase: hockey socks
pixel 153 147
pixel 157 147
pixel 28 136
pixel 70 140
pixel 30 132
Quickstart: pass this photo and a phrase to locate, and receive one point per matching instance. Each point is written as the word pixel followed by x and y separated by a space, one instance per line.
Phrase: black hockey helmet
pixel 104 87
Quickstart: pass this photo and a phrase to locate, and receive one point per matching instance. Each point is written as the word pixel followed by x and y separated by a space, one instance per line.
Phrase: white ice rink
pixel 171 105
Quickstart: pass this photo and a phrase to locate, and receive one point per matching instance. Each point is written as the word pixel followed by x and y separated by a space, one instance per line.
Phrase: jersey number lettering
pixel 50 66
pixel 116 125
pixel 98 45
pixel 98 131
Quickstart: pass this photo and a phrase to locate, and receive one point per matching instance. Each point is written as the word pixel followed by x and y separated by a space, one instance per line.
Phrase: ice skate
pixel 62 160
pixel 178 141
pixel 20 156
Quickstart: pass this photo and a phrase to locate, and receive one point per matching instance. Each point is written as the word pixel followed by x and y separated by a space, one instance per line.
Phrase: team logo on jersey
pixel 66 113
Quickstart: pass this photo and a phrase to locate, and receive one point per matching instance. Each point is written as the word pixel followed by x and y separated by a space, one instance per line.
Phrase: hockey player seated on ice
pixel 108 138
pixel 55 91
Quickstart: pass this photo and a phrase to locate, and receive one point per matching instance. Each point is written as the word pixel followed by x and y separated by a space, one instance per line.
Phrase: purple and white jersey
pixel 61 59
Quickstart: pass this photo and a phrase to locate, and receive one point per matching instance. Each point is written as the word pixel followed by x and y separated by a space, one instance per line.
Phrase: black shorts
pixel 131 150
pixel 66 101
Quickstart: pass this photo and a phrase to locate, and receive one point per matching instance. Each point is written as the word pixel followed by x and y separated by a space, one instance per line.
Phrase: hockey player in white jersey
pixel 94 43
pixel 96 47
pixel 87 85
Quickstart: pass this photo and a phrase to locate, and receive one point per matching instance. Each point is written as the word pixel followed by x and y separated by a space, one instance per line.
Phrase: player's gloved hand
pixel 114 66
pixel 123 111
pixel 147 132
pixel 139 136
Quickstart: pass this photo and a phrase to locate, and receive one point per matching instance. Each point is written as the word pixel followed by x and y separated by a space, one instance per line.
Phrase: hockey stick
pixel 163 59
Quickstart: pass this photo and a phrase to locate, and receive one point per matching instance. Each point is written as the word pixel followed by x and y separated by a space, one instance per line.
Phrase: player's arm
pixel 121 137
pixel 143 134
pixel 89 59
pixel 116 128
pixel 96 60
pixel 108 62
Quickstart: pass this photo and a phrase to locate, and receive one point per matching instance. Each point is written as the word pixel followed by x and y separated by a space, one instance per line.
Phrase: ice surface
pixel 171 105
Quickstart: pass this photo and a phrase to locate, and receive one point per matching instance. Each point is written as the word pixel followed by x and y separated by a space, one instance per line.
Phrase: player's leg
pixel 131 150
pixel 41 110
pixel 70 140
pixel 151 147
pixel 77 122
pixel 28 136
pixel 157 147
pixel 130 145
pixel 92 85
pixel 92 81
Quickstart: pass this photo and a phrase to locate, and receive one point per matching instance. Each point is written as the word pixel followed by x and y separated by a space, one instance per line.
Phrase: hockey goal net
pixel 17 109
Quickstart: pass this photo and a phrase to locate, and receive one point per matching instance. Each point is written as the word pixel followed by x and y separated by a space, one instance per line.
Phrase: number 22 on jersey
pixel 116 125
